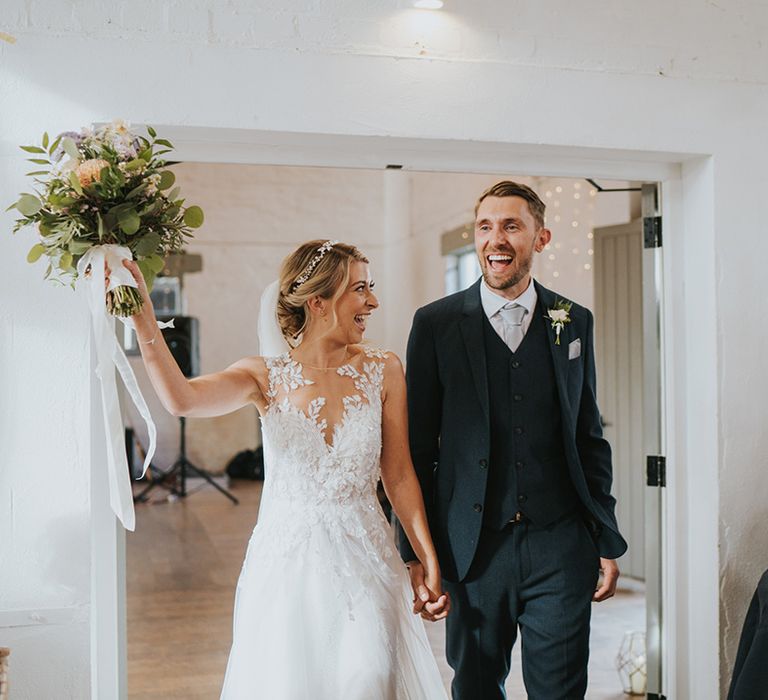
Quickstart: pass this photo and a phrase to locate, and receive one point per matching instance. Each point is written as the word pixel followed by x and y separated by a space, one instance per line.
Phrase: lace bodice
pixel 322 434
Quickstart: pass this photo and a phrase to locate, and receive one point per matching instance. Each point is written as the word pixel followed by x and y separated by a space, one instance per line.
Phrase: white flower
pixel 558 315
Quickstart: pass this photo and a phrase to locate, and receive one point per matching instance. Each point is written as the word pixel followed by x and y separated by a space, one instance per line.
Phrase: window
pixel 461 269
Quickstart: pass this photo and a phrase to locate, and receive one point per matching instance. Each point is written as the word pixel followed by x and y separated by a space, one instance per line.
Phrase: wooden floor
pixel 183 563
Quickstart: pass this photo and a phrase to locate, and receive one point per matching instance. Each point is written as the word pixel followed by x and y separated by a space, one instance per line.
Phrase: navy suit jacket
pixel 449 424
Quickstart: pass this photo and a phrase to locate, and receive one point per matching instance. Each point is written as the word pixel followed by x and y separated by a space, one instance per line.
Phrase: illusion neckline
pixel 348 356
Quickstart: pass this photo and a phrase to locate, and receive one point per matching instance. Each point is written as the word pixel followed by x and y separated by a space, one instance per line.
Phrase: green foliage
pixel 131 202
pixel 193 217
pixel 167 178
pixel 36 251
pixel 29 205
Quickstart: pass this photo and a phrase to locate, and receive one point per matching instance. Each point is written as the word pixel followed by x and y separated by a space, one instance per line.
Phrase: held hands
pixel 429 601
pixel 610 577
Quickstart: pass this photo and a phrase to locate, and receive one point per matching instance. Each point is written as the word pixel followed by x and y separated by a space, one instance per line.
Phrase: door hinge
pixel 656 470
pixel 655 696
pixel 652 231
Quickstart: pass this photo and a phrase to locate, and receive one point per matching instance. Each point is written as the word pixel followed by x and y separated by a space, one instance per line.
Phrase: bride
pixel 324 607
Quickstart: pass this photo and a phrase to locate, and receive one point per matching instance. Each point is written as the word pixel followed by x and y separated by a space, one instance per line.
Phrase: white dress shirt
pixel 493 302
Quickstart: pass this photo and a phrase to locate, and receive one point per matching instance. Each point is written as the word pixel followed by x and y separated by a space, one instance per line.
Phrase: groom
pixel 506 440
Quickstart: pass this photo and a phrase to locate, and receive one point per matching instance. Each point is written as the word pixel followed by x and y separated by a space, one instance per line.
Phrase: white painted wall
pixel 686 77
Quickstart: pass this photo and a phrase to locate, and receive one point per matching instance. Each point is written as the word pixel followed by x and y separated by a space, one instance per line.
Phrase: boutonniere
pixel 559 316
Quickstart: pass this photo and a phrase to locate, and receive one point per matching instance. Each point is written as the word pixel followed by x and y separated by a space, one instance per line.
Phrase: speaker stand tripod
pixel 175 479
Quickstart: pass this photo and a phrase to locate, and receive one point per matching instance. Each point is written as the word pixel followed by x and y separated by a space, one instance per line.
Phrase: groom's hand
pixel 610 577
pixel 428 599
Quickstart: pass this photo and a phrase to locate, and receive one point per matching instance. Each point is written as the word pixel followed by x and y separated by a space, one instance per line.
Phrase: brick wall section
pixel 714 40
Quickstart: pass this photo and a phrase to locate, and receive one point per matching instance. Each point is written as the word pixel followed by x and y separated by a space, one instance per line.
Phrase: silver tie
pixel 512 324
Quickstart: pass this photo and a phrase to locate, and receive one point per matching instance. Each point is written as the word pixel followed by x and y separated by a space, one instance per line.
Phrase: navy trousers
pixel 540 580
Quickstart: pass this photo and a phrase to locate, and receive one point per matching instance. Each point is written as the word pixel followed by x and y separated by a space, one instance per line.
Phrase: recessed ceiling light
pixel 428 4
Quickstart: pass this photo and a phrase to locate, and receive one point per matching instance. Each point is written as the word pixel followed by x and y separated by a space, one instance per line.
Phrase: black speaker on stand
pixel 183 342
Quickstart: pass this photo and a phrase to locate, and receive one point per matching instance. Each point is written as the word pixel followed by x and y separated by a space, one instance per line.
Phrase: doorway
pixel 204 144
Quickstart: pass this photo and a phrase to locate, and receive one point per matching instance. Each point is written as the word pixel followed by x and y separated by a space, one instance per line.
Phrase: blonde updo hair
pixel 328 280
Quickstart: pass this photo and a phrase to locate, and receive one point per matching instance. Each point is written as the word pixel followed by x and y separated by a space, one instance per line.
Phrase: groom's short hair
pixel 507 188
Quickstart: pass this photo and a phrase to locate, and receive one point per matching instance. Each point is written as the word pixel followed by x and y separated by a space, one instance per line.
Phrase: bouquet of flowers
pixel 104 195
pixel 106 188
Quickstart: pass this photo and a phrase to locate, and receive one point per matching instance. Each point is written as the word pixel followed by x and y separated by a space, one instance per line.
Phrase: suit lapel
pixel 472 333
pixel 547 301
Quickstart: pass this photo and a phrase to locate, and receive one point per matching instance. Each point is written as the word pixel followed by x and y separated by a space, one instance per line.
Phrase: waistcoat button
pixel 477 508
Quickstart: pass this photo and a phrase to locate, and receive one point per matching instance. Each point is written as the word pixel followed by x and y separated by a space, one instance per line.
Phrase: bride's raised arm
pixel 209 395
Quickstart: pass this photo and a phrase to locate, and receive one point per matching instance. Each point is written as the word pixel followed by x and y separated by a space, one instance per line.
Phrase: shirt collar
pixel 492 302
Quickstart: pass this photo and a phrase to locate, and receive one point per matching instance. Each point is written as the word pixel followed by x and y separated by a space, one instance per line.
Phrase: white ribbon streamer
pixel 109 354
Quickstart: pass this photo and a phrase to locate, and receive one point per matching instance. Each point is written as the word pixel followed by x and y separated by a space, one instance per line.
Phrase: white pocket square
pixel 574 349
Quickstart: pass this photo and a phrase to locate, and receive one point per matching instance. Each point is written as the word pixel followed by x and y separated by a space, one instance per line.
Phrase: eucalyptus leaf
pixel 135 191
pixel 29 205
pixel 110 221
pixel 167 178
pixel 148 274
pixel 48 271
pixel 120 208
pixel 32 149
pixel 65 262
pixel 60 200
pixel 151 132
pixel 70 148
pixel 135 164
pixel 45 140
pixel 146 154
pixel 164 142
pixel 148 244
pixel 150 208
pixel 37 172
pixel 155 263
pixel 75 182
pixel 173 194
pixel 79 247
pixel 35 252
pixel 39 161
pixel 193 217
pixel 129 221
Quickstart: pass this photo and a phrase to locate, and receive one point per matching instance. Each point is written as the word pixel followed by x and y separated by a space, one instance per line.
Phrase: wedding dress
pixel 323 603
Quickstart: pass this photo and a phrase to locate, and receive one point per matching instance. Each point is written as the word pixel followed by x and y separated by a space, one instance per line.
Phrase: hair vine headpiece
pixel 309 269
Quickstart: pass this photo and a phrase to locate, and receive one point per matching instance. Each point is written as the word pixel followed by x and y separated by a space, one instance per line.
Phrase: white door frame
pixel 690 558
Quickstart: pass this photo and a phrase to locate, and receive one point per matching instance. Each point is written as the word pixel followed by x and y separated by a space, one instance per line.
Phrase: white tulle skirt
pixel 323 612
